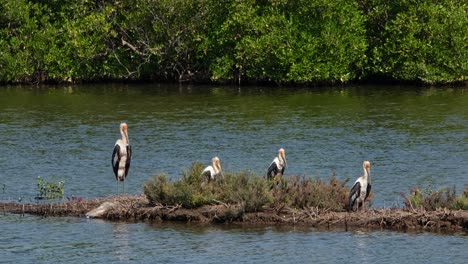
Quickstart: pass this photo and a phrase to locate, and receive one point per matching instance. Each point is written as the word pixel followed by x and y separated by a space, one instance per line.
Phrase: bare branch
pixel 125 43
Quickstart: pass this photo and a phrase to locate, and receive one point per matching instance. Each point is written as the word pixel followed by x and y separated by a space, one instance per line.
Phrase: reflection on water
pixel 121 240
pixel 362 245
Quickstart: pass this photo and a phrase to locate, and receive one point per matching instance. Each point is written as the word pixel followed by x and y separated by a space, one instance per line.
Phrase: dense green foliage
pixel 425 40
pixel 246 189
pixel 303 41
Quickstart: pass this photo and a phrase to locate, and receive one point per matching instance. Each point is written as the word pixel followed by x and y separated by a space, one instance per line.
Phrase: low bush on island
pixel 429 199
pixel 247 189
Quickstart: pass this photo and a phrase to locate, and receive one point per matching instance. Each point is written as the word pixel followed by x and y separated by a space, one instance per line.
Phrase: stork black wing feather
pixel 207 174
pixel 354 194
pixel 368 190
pixel 272 170
pixel 129 159
pixel 116 159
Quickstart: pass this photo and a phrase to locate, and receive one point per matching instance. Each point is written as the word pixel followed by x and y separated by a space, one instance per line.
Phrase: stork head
pixel 217 166
pixel 216 163
pixel 366 166
pixel 123 131
pixel 282 155
pixel 123 126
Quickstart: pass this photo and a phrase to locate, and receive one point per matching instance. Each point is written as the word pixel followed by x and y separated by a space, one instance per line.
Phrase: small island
pixel 246 198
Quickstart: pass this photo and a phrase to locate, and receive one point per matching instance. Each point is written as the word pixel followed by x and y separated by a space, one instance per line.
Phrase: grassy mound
pixel 247 189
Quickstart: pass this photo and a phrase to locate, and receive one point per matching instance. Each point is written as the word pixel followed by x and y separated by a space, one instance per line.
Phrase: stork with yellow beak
pixel 278 165
pixel 211 172
pixel 122 156
pixel 361 188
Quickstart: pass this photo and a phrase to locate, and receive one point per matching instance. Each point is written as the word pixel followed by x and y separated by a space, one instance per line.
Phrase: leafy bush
pixel 302 192
pixel 431 200
pixel 158 189
pixel 461 202
pixel 247 189
pixel 418 40
pixel 187 192
pixel 49 190
pixel 192 191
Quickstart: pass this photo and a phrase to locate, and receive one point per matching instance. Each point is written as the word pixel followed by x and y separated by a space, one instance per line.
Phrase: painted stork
pixel 121 157
pixel 361 188
pixel 211 172
pixel 278 165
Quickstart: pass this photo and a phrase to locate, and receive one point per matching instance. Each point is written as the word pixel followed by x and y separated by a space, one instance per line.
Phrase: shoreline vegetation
pixel 246 198
pixel 319 42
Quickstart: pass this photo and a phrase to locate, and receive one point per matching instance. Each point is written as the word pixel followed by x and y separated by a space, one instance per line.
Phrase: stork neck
pixel 366 173
pixel 124 137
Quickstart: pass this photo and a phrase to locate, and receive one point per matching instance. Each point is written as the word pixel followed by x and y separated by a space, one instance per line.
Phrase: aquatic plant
pixel 250 191
pixel 49 190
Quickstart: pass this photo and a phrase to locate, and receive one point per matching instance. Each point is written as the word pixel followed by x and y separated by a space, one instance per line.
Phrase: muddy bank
pixel 137 208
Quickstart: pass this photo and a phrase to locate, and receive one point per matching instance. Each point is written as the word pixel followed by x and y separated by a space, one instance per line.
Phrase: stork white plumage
pixel 121 157
pixel 361 188
pixel 211 172
pixel 278 165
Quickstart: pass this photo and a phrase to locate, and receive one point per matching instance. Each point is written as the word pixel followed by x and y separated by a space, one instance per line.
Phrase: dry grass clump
pixel 429 199
pixel 247 189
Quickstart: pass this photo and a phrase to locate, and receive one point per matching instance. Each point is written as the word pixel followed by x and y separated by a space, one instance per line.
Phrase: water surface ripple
pixel 31 239
pixel 413 137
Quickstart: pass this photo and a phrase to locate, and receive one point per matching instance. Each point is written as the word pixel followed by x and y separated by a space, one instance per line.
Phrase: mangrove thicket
pixel 273 41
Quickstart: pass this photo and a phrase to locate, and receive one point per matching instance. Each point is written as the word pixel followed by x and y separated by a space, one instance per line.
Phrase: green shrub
pixel 192 191
pixel 431 200
pixel 49 190
pixel 461 202
pixel 305 192
pixel 187 192
pixel 157 189
pixel 247 189
pixel 194 176
pixel 415 199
